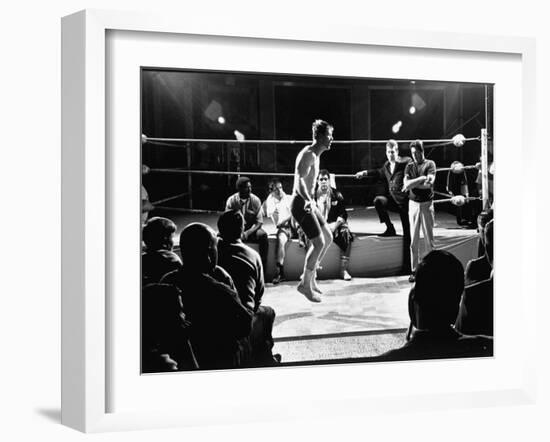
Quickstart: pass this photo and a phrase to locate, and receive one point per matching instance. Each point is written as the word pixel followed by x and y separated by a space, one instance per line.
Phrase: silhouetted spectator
pixel 476 306
pixel 250 207
pixel 433 307
pixel 158 258
pixel 479 269
pixel 220 324
pixel 164 329
pixel 245 268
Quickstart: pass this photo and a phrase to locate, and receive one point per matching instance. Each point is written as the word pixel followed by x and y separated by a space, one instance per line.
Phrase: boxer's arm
pixel 304 167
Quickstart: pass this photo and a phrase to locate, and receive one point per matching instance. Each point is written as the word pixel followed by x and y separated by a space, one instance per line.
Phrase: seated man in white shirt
pixel 277 207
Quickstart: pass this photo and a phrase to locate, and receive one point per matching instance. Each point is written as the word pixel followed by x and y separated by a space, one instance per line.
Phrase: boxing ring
pixel 371 255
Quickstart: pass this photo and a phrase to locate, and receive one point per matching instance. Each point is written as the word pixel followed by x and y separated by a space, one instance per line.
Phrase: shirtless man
pixel 305 211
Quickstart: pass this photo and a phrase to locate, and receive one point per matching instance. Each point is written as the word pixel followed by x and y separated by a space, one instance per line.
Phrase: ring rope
pixel 349 209
pixel 447 195
pixel 227 172
pixel 450 200
pixel 222 140
pixel 219 172
pixel 170 198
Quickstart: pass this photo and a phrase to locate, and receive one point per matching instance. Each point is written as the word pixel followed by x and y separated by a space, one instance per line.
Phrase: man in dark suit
pixel 395 200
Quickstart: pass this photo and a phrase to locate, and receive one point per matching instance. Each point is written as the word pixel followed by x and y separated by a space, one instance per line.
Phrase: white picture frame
pixel 86 315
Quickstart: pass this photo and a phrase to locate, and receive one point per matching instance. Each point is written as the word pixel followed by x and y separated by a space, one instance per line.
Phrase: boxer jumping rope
pixel 305 211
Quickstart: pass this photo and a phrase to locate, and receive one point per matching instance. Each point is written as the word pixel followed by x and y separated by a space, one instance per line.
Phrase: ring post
pixel 484 170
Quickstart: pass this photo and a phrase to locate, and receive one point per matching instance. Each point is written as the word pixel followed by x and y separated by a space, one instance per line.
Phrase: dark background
pixel 187 104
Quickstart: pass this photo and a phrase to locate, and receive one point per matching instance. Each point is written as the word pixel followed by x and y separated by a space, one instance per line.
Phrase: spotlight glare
pixel 412 110
pixel 221 120
pixel 396 127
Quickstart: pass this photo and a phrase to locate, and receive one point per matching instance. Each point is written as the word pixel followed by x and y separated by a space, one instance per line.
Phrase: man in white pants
pixel 419 181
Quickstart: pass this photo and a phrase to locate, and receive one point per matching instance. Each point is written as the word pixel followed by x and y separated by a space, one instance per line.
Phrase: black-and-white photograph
pixel 303 220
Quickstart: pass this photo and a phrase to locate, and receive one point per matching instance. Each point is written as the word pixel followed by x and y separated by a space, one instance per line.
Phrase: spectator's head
pixel 244 187
pixel 323 180
pixel 198 247
pixel 322 133
pixel 158 234
pixel 231 225
pixel 276 187
pixel 488 241
pixel 163 321
pixel 392 150
pixel 417 150
pixel 482 220
pixel 435 297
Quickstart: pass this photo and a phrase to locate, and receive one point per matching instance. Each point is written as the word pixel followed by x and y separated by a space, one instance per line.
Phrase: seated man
pixel 479 269
pixel 251 208
pixel 277 207
pixel 220 324
pixel 433 306
pixel 475 315
pixel 164 331
pixel 333 208
pixel 245 268
pixel 158 258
